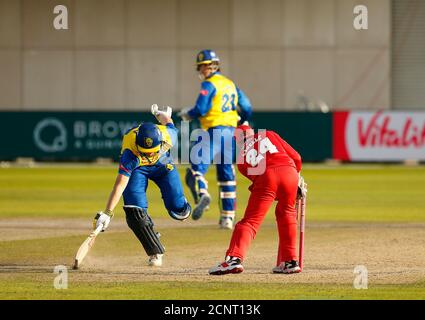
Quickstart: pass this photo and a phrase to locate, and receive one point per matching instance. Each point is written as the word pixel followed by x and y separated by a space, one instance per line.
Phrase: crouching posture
pixel 145 155
pixel 273 166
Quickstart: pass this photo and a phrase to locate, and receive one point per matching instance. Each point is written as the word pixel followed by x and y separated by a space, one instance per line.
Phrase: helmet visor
pixel 148 150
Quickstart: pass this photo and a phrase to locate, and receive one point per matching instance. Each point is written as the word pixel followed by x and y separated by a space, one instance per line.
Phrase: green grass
pixel 380 193
pixel 347 193
pixel 34 276
pixel 23 287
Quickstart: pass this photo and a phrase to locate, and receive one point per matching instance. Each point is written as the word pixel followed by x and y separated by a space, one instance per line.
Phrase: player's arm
pixel 169 136
pixel 104 217
pixel 203 102
pixel 128 162
pixel 292 153
pixel 119 186
pixel 296 157
pixel 173 133
pixel 244 106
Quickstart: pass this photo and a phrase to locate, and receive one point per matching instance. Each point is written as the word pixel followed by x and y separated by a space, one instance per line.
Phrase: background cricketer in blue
pixel 219 107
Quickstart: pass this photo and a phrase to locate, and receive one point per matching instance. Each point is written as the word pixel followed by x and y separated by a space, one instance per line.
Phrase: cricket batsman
pixel 273 166
pixel 219 106
pixel 145 155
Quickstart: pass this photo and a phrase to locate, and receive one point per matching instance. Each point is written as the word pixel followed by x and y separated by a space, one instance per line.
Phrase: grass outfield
pixel 26 271
pixel 353 193
pixel 25 288
pixel 357 214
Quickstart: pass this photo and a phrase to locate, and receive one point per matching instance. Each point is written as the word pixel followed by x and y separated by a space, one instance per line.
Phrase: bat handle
pixel 96 231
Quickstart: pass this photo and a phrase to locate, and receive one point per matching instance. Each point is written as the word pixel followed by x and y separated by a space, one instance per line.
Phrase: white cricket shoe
pixel 226 223
pixel 287 267
pixel 231 265
pixel 155 260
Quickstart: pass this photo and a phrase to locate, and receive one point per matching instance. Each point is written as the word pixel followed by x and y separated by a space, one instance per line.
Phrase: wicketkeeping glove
pixel 184 114
pixel 302 187
pixel 102 218
pixel 156 111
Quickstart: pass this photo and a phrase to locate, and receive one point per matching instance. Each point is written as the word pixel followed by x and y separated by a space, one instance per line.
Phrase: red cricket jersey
pixel 264 150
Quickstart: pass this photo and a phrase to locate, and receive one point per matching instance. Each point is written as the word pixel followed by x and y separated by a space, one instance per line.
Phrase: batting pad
pixel 141 224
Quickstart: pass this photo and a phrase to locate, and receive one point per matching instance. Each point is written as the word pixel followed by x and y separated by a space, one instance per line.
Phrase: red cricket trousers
pixel 278 183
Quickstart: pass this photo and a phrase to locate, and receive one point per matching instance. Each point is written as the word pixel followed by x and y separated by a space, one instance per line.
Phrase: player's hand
pixel 163 115
pixel 302 188
pixel 184 114
pixel 168 111
pixel 103 219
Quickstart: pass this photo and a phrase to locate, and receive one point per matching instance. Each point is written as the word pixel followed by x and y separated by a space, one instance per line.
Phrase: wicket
pixel 301 207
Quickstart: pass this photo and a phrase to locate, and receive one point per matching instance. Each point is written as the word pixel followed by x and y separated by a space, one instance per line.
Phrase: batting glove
pixel 302 188
pixel 156 111
pixel 102 219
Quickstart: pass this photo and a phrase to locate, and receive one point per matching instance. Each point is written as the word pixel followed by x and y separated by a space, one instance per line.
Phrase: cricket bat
pixel 85 247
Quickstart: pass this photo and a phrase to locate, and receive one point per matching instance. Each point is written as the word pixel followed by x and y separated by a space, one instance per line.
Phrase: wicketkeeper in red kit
pixel 274 168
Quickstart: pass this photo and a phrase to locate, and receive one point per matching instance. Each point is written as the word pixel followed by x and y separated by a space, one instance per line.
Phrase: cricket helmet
pixel 206 57
pixel 149 138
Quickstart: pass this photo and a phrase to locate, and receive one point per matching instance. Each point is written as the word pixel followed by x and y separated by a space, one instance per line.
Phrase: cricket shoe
pixel 226 223
pixel 231 265
pixel 155 260
pixel 203 204
pixel 287 267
